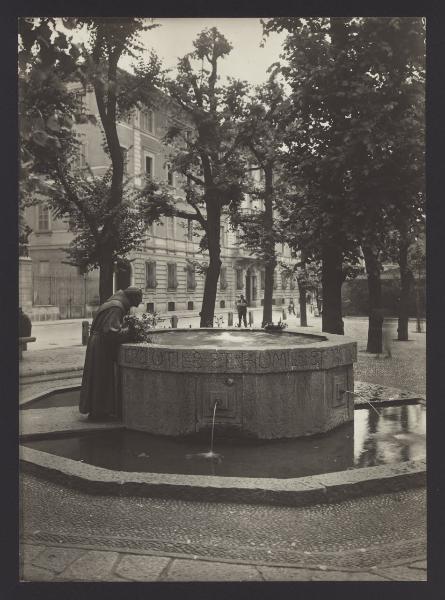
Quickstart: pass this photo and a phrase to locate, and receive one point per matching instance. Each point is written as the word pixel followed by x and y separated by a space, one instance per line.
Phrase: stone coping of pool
pixel 315 489
pixel 325 352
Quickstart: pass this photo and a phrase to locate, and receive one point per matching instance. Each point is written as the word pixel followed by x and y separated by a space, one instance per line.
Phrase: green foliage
pixel 262 119
pixel 356 148
pixel 206 145
pixel 107 214
pixel 280 326
pixel 140 327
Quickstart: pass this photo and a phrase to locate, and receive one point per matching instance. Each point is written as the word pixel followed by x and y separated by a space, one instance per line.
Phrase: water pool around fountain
pixel 267 385
pixel 394 435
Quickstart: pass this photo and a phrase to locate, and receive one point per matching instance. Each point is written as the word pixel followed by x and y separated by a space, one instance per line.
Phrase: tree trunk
pixel 302 291
pixel 268 292
pixel 375 326
pixel 418 317
pixel 269 249
pixel 406 279
pixel 331 281
pixel 212 275
pixel 106 274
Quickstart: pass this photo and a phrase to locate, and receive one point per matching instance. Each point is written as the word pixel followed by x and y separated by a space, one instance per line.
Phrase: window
pixel 284 280
pixel 190 305
pixel 263 279
pixel 189 230
pixel 172 282
pixel 125 157
pixel 170 175
pixel 80 101
pixel 147 121
pixel 128 118
pixel 151 307
pixel 275 283
pixel 44 267
pixel 149 165
pixel 80 157
pixel 223 279
pixel 222 304
pixel 150 275
pixel 43 218
pixel 170 228
pixel 292 283
pixel 222 238
pixel 170 306
pixel 191 277
pixel 239 279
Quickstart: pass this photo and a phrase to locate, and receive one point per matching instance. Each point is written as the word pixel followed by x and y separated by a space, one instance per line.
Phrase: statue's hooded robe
pixel 99 396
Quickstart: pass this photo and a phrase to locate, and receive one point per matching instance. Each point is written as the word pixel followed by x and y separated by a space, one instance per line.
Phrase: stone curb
pixel 316 489
pixel 40 396
pixel 35 375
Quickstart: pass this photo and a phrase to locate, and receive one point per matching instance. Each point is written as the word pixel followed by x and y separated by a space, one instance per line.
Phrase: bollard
pixel 230 319
pixel 174 321
pixel 85 332
pixel 250 317
pixel 284 315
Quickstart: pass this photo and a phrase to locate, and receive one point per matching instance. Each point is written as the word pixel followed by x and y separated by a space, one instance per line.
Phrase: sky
pixel 174 38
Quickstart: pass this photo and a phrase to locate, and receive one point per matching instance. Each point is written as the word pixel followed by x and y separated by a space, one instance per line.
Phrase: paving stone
pixel 141 568
pixel 57 559
pixel 31 573
pixel 291 574
pixel 402 573
pixel 345 576
pixel 421 564
pixel 94 565
pixel 189 570
pixel 28 552
pixel 285 574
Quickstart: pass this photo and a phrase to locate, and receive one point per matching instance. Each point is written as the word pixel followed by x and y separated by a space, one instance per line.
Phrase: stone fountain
pixel 267 385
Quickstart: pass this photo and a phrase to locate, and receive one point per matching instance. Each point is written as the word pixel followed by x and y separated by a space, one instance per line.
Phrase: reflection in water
pixel 397 434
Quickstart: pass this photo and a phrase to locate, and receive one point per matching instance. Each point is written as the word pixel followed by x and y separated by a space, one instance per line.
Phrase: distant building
pixel 165 267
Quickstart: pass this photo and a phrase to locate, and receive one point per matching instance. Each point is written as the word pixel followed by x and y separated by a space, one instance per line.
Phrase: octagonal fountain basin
pixel 254 383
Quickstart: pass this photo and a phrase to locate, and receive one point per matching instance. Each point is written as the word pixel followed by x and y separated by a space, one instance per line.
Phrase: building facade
pixel 166 267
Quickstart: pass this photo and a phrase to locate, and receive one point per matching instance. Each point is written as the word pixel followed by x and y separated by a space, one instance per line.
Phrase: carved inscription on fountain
pixel 274 391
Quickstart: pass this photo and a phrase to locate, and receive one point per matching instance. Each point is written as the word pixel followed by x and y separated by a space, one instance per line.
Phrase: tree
pixel 417 265
pixel 387 171
pixel 103 213
pixel 261 126
pixel 357 141
pixel 316 70
pixel 207 150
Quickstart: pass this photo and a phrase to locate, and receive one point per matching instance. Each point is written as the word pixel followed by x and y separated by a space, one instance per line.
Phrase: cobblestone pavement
pixel 69 535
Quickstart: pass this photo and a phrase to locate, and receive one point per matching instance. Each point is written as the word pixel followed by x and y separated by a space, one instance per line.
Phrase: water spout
pixel 210 454
pixel 213 427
